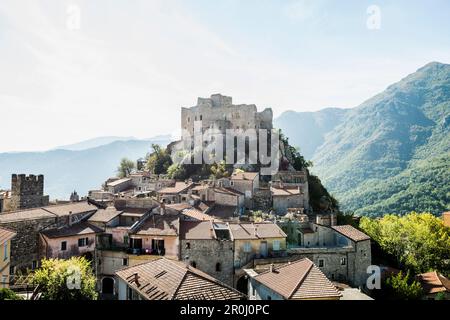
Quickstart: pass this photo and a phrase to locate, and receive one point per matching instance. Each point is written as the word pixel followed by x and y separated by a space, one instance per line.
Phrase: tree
pixel 125 168
pixel 8 294
pixel 70 279
pixel 159 161
pixel 419 242
pixel 219 170
pixel 177 171
pixel 403 287
pixel 293 154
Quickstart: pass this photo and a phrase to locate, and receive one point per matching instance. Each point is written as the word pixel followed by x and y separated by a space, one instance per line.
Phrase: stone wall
pixel 207 254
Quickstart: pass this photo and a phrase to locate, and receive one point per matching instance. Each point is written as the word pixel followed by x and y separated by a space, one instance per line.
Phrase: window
pixel 321 263
pixel 34 265
pixel 4 281
pixel 5 251
pixel 83 242
pixel 201 117
pixel 343 261
pixel 189 119
pixel 194 264
pixel 12 270
pixel 64 246
pixel 276 245
pixel 125 261
pixel 247 247
pixel 218 267
pixel 188 245
pixel 231 183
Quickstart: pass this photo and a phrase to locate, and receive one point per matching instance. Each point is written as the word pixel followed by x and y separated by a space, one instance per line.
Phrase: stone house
pixel 287 197
pixel 299 280
pixel 246 183
pixel 69 241
pixel 5 256
pixel 120 185
pixel 173 194
pixel 28 224
pixel 164 279
pixel 343 253
pixel 207 246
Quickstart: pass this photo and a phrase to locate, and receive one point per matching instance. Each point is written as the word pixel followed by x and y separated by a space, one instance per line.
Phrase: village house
pixel 5 256
pixel 28 224
pixel 164 279
pixel 434 284
pixel 119 185
pixel 173 194
pixel 298 280
pixel 246 183
pixel 73 240
pixel 343 253
pixel 207 245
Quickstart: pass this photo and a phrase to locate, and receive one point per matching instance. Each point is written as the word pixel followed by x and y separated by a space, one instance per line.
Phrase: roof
pixel 222 211
pixel 164 279
pixel 197 214
pixel 299 280
pixel 6 235
pixel 284 192
pixel 118 182
pixel 159 225
pixel 433 282
pixel 105 215
pixel 178 188
pixel 48 212
pixel 244 175
pixel 351 232
pixel 77 229
pixel 263 230
pixel 197 230
pixel 229 191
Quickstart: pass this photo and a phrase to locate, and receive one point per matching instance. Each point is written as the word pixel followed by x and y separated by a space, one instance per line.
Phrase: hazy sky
pixel 128 66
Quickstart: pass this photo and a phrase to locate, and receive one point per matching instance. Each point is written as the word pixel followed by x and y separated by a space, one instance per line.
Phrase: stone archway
pixel 242 284
pixel 108 285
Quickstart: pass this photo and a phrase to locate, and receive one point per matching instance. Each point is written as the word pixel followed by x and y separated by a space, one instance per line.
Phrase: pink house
pixel 68 241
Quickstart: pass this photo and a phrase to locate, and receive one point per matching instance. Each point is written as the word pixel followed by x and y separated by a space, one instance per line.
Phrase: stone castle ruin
pixel 220 113
pixel 26 192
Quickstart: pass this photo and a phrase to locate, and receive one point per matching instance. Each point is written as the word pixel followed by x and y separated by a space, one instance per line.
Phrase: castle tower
pixel 27 192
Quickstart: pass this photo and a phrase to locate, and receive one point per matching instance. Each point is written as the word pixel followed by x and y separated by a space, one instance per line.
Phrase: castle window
pixel 195 118
pixel 189 119
pixel 218 267
pixel 64 246
pixel 201 117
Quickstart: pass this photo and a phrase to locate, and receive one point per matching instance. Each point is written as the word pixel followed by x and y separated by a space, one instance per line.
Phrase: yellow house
pixel 5 257
pixel 256 241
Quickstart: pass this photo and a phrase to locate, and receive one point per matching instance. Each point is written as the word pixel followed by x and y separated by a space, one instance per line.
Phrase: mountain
pixel 392 153
pixel 93 143
pixel 307 130
pixel 80 170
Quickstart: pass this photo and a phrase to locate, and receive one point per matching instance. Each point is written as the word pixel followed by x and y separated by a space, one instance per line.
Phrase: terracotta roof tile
pixel 244 176
pixel 164 279
pixel 196 230
pixel 299 280
pixel 81 228
pixel 243 231
pixel 178 188
pixel 105 215
pixel 159 225
pixel 351 233
pixel 6 235
pixel 433 282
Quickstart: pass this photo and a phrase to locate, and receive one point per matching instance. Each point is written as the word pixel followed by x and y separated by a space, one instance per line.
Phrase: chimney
pixel 162 207
pixel 271 268
pixel 186 262
pixel 136 279
pixel 70 219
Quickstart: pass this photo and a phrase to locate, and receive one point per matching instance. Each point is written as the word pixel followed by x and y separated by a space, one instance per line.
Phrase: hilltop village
pixel 151 236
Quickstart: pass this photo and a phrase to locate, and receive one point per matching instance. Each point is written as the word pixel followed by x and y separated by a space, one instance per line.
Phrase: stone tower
pixel 27 192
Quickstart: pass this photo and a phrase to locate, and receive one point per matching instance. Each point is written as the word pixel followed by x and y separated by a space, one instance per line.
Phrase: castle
pixel 26 192
pixel 220 113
